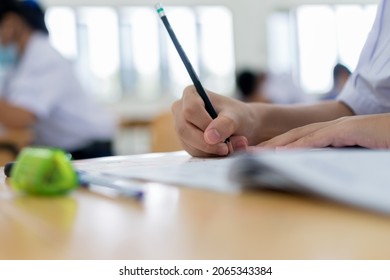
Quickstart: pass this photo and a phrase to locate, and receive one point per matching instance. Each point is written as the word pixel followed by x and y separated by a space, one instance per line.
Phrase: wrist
pixel 254 122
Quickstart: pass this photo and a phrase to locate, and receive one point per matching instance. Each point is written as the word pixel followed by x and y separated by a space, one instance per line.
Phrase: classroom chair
pixel 163 135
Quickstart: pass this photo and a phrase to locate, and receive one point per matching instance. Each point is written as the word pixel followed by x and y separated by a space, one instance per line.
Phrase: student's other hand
pixel 200 134
pixel 370 131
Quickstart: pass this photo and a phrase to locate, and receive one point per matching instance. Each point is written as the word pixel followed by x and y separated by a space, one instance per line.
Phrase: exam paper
pixel 355 176
pixel 358 177
pixel 177 168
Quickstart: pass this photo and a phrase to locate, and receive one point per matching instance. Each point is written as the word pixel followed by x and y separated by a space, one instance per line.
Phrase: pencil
pixel 194 77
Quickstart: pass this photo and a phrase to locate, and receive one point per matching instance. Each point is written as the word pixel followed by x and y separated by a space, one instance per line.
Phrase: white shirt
pixel 44 83
pixel 368 89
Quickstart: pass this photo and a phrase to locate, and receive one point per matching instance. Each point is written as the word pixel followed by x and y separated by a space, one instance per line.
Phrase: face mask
pixel 8 56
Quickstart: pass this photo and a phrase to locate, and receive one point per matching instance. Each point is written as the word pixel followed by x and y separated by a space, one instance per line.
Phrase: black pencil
pixel 194 77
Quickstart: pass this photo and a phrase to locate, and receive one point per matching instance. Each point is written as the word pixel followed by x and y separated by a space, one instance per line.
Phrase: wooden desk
pixel 183 223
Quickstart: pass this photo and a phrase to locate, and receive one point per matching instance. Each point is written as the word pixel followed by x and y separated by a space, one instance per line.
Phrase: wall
pixel 249 18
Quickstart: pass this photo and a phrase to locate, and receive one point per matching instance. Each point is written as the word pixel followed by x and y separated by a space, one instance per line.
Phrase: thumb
pixel 219 129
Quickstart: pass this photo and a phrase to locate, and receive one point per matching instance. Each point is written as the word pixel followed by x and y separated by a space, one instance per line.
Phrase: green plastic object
pixel 43 171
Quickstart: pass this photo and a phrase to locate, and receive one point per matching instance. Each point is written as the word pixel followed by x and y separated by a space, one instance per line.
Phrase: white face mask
pixel 8 56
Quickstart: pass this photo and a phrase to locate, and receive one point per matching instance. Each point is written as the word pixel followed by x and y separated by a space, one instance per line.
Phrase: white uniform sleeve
pixel 368 89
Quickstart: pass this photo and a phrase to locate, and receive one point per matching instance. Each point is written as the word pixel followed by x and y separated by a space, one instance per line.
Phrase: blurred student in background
pixel 251 86
pixel 340 77
pixel 41 92
pixel 268 87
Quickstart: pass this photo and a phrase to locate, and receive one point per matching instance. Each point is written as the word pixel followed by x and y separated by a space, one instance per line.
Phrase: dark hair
pixel 340 69
pixel 31 12
pixel 247 81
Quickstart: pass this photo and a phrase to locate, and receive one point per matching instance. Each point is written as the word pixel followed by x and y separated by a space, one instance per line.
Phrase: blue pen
pixel 122 187
pixel 96 181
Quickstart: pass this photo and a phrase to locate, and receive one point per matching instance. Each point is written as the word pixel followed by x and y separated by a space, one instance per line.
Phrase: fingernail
pixel 213 136
pixel 241 145
pixel 222 149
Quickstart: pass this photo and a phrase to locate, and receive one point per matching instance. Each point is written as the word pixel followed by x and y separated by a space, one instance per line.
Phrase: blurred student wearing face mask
pixel 40 90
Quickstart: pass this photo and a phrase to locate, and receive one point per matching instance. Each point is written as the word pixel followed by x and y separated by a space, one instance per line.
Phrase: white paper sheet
pixel 354 176
pixel 177 168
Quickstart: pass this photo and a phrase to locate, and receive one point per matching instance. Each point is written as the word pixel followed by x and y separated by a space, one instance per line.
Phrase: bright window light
pixel 327 35
pixel 127 51
pixel 349 19
pixel 61 22
pixel 216 45
pixel 144 44
pixel 103 40
pixel 279 40
pixel 322 36
pixel 145 41
pixel 100 49
pixel 317 46
pixel 183 23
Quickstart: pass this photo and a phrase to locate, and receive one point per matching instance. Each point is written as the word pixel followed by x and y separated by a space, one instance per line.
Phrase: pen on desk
pixel 8 168
pixel 194 77
pixel 96 181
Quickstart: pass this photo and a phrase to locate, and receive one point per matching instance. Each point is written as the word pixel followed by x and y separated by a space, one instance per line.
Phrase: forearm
pixel 18 137
pixel 15 117
pixel 276 119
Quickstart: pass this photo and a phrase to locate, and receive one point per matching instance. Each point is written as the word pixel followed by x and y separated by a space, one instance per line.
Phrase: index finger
pixel 194 110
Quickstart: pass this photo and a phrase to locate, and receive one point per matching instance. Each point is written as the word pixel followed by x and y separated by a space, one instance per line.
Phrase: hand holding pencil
pixel 203 136
pixel 213 136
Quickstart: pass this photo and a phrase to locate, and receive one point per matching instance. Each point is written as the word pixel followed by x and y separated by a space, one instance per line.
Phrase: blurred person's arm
pixel 15 117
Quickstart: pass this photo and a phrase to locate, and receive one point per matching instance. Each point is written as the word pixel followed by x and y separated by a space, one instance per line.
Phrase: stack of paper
pixel 354 176
pixel 359 177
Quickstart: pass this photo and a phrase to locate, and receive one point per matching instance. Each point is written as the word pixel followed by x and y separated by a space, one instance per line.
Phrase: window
pixel 126 51
pixel 320 37
pixel 216 45
pixel 99 50
pixel 62 26
pixel 140 52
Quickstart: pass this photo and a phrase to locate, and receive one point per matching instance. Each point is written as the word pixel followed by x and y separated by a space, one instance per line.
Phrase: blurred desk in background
pixel 184 223
pixel 155 133
pixel 132 123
